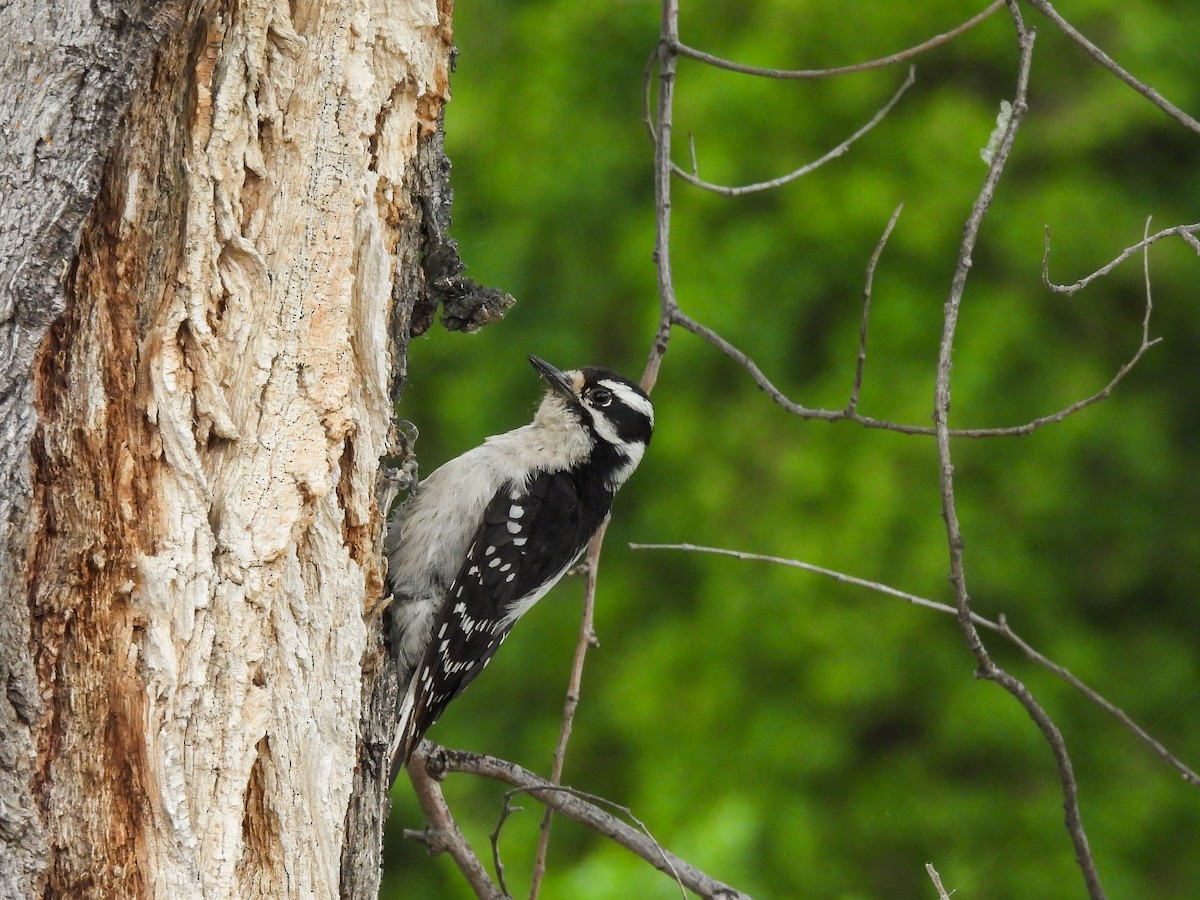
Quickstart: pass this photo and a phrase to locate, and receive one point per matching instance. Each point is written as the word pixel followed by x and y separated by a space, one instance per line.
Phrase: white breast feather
pixel 428 539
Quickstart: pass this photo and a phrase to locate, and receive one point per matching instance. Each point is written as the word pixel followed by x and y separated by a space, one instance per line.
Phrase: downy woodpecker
pixel 489 533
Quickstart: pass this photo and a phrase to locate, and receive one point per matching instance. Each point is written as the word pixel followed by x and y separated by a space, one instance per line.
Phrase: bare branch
pixel 443 834
pixel 583 808
pixel 851 414
pixel 1103 394
pixel 1187 232
pixel 686 322
pixel 598 802
pixel 664 61
pixel 841 577
pixel 988 669
pixel 937 881
pixel 586 640
pixel 660 130
pixel 837 151
pixel 937 41
pixel 1044 7
pixel 671 315
pixel 861 363
pixel 1000 626
pixel 497 863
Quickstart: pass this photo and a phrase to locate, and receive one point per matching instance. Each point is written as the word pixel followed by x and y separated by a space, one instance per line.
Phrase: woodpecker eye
pixel 601 397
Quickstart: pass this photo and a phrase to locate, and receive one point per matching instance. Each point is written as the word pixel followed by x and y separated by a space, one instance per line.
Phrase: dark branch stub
pixel 466 305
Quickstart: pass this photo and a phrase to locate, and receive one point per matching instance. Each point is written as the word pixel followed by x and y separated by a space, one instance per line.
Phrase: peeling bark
pixel 254 224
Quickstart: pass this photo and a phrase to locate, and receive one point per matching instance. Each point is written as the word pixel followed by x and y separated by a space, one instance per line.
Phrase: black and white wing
pixel 530 536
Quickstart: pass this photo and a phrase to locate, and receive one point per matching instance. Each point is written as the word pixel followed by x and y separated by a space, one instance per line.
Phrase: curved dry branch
pixel 660 130
pixel 936 41
pixel 860 364
pixel 443 834
pixel 1187 232
pixel 582 808
pixel 999 626
pixel 741 190
pixel 988 669
pixel 497 863
pixel 594 800
pixel 1044 7
pixel 850 412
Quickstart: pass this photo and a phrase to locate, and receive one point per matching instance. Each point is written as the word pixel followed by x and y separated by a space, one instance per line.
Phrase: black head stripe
pixel 622 402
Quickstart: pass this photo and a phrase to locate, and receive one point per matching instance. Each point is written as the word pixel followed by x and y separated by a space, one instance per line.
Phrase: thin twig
pixel 1187 232
pixel 442 834
pixel 660 126
pixel 597 801
pixel 851 414
pixel 587 639
pixel 861 363
pixel 894 58
pixel 648 71
pixel 837 151
pixel 663 60
pixel 1044 7
pixel 571 803
pixel 497 863
pixel 987 667
pixel 937 881
pixel 999 626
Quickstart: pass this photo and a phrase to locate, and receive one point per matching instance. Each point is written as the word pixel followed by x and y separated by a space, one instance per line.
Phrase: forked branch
pixel 1187 232
pixel 442 834
pixel 585 809
pixel 1044 7
pixel 987 667
pixel 998 626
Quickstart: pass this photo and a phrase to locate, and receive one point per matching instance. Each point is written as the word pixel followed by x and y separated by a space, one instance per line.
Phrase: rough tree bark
pixel 219 223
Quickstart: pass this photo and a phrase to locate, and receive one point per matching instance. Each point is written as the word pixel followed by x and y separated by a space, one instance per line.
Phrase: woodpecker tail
pixel 407 736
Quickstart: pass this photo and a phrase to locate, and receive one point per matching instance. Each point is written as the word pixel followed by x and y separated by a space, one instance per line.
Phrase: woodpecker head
pixel 614 410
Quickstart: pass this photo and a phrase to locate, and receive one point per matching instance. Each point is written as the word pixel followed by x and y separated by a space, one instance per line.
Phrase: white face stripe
pixel 631 450
pixel 608 433
pixel 630 398
pixel 634 452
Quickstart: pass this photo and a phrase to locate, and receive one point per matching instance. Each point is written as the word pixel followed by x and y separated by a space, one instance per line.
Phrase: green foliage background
pixel 789 735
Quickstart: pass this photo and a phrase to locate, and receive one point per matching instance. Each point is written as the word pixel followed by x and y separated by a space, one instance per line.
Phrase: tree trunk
pixel 218 223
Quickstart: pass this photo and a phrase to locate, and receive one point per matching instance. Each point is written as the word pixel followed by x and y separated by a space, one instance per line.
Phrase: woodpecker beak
pixel 554 379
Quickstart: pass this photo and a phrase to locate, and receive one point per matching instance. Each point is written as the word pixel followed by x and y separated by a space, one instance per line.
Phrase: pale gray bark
pixel 219 223
pixel 66 75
